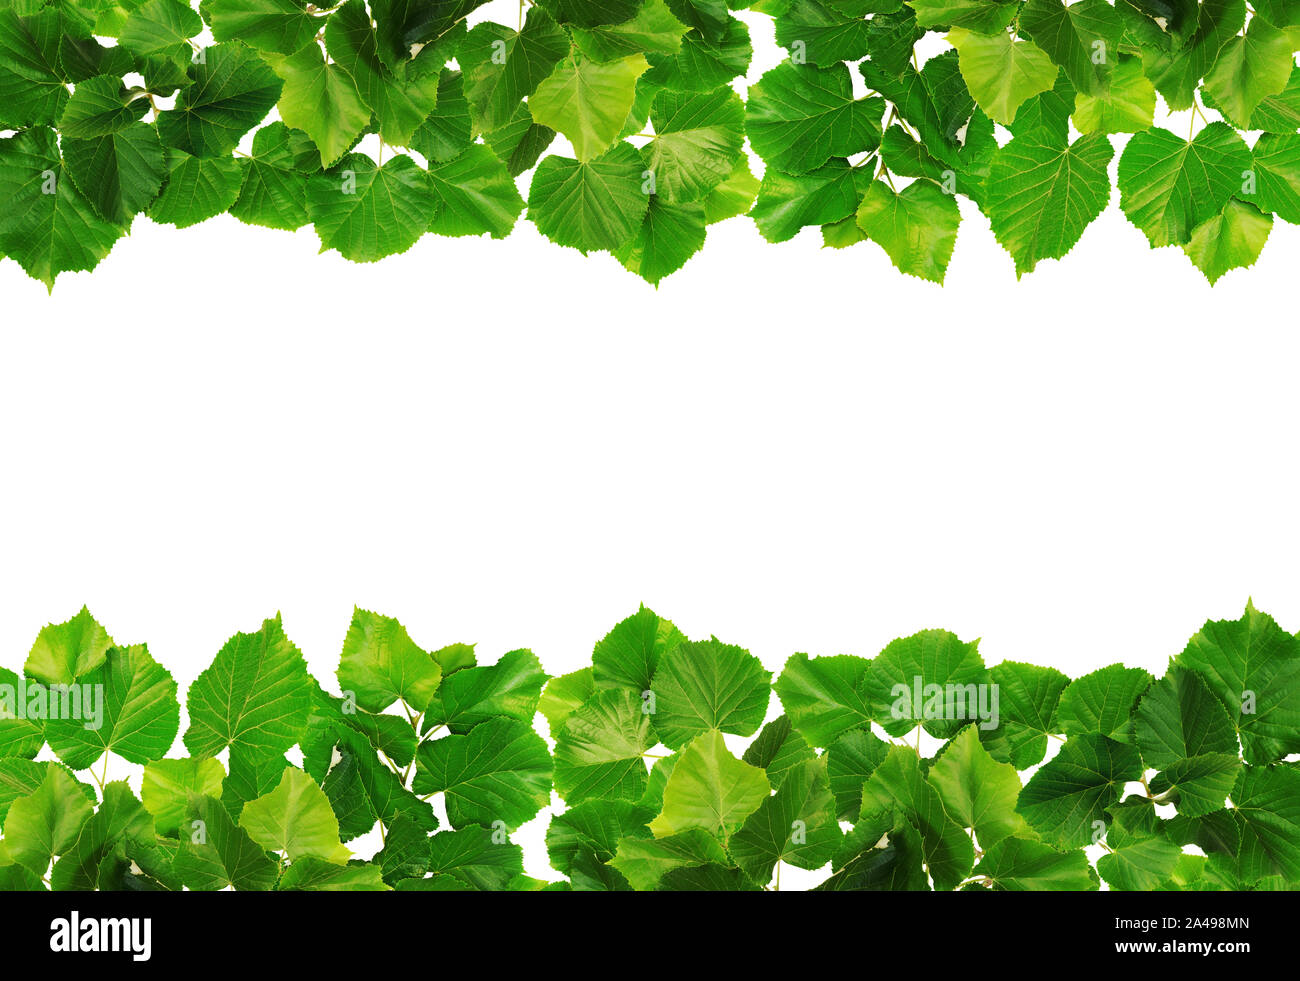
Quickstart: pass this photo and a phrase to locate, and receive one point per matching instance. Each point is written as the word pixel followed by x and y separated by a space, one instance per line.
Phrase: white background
pixel 792 448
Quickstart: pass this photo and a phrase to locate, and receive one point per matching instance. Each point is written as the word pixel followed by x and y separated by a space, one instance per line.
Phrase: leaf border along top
pixel 390 124
pixel 647 785
pixel 1021 115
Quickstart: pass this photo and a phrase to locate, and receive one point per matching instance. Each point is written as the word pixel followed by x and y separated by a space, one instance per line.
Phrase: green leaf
pixel 704 64
pixel 509 688
pixel 390 735
pixel 798 117
pixel 652 29
pixel 161 29
pixel 406 851
pixel 1169 186
pixel 96 859
pixel 231 91
pixel 594 206
pixel 1066 800
pixel 119 173
pixel 709 789
pixel 401 100
pixel 1198 785
pixel 503 67
pixel 296 819
pixel 278 26
pixel 1280 113
pixel 628 655
pixel 982 16
pixel 47 822
pixel 1178 71
pixel 1023 864
pixel 563 695
pixel 645 861
pixel 599 751
pixel 880 853
pixel 590 13
pixel 20 778
pixel 1042 195
pixel 447 132
pixel 1127 106
pixel 977 791
pixel 592 830
pixel 381 664
pixel 197 189
pixel 670 234
pixel 317 876
pixel 1253 666
pixel 1027 700
pixel 169 784
pixel 1249 69
pixel 891 38
pixel 400 24
pixel 476 857
pixel 941 668
pixel 1267 802
pixel 1232 239
pixel 825 697
pixel 252 774
pixel 706 686
pixel 823 35
pixel 1083 38
pixel 1102 703
pixel 361 790
pixel 368 212
pixel 899 787
pixel 322 100
pixel 1002 73
pixel 274 192
pixel 63 652
pixel 1277 174
pixel 698 140
pixel 215 853
pixel 137 713
pixel 499 771
pixel 796 825
pixel 32 89
pixel 850 761
pixel 734 196
pixel 100 106
pixel 588 101
pixel 917 227
pixel 19 734
pixel 254 696
pixel 476 195
pixel 1178 718
pixel 521 142
pixel 1141 865
pixel 778 749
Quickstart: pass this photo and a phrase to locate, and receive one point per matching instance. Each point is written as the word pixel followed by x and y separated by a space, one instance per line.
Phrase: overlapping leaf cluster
pixel 1186 782
pixel 1018 112
pixel 116 110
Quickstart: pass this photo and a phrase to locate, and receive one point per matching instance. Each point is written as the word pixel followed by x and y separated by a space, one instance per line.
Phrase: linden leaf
pixel 499 771
pixel 368 212
pixel 709 790
pixel 255 695
pixel 588 101
pixel 137 718
pixel 917 227
pixel 706 686
pixel 1002 73
pixel 296 819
